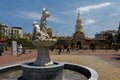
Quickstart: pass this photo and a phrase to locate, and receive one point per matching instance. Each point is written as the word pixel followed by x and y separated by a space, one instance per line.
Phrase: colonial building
pixel 12 31
pixel 103 35
pixel 78 40
pixel 78 36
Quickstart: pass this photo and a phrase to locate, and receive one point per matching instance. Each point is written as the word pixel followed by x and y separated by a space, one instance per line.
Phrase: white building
pixel 103 34
pixel 12 31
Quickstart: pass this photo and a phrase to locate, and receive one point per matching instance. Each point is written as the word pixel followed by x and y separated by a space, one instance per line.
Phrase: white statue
pixel 40 30
pixel 43 22
pixel 38 33
pixel 42 40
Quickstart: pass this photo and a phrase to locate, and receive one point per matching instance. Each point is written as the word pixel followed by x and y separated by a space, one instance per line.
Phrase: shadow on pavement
pixel 117 58
pixel 116 54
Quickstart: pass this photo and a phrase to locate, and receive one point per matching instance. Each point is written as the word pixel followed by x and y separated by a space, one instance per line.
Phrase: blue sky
pixel 96 15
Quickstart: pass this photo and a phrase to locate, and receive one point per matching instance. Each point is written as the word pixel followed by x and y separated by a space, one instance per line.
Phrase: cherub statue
pixel 43 22
pixel 40 30
pixel 36 32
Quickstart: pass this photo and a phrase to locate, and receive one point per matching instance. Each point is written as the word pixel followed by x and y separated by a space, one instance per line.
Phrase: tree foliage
pixel 25 42
pixel 19 41
pixel 1 27
pixel 117 36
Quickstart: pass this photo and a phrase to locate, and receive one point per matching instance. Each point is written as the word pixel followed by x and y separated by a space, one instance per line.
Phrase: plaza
pixel 106 63
pixel 84 42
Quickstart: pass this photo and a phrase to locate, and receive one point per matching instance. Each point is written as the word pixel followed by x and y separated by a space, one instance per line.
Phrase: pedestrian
pixel 20 50
pixel 85 47
pixel 68 49
pixel 92 46
pixel 60 49
pixel 1 50
pixel 116 47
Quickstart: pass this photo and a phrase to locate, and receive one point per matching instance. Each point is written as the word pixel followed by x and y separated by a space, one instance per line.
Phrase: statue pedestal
pixel 42 57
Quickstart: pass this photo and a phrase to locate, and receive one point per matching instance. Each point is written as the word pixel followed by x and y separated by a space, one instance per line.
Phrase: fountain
pixel 43 68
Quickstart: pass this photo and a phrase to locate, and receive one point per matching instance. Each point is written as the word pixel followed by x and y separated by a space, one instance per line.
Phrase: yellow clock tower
pixel 78 36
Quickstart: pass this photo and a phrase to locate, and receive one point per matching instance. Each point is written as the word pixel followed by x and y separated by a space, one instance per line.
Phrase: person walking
pixel 60 49
pixel 68 49
pixel 1 50
pixel 20 50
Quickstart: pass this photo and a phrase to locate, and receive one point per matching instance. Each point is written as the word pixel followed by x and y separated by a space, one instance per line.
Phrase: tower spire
pixel 78 15
pixel 78 23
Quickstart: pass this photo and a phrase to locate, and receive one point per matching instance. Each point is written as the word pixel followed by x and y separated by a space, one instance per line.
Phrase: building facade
pixel 102 40
pixel 103 35
pixel 14 32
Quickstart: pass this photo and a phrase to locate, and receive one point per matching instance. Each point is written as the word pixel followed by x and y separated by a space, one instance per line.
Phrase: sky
pixel 96 15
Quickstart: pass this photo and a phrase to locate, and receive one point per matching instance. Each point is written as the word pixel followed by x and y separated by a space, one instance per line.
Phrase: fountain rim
pixel 27 65
pixel 92 73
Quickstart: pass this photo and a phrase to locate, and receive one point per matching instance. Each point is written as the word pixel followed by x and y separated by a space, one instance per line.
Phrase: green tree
pixel 9 41
pixel 1 31
pixel 25 42
pixel 117 37
pixel 109 40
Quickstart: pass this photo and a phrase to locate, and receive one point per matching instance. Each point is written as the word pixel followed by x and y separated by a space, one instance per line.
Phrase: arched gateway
pixel 79 45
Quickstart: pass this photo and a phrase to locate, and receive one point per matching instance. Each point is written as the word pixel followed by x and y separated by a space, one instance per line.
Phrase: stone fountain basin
pixel 88 72
pixel 44 43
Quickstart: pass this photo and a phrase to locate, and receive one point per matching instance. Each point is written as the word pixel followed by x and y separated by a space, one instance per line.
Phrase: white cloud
pixel 92 7
pixel 89 21
pixel 36 16
pixel 28 15
pixel 67 12
pixel 114 14
pixel 56 20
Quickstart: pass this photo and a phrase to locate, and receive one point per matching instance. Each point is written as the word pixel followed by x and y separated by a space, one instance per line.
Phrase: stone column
pixel 43 57
pixel 14 48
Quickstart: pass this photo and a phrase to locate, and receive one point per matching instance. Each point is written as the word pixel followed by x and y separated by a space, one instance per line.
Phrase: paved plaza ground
pixel 106 63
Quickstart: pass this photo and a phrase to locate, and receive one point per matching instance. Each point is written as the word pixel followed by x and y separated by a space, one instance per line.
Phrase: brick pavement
pixel 8 58
pixel 101 61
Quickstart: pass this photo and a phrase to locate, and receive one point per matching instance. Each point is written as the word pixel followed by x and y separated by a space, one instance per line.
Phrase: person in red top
pixel 60 49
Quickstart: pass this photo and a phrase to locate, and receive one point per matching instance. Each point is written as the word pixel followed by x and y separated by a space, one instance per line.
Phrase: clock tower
pixel 78 36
